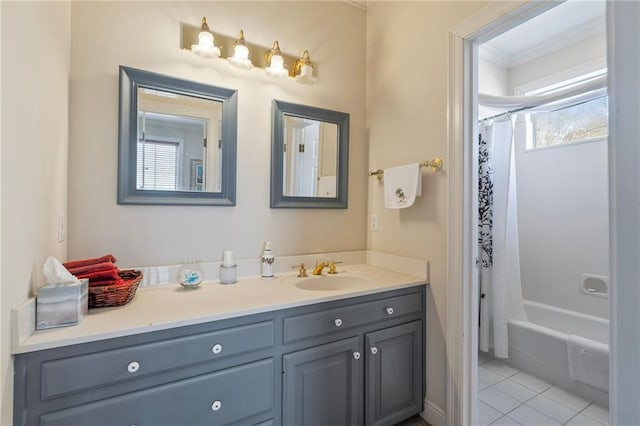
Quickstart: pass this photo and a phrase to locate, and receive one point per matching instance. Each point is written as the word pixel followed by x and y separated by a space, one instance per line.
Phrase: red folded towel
pixel 93 261
pixel 104 266
pixel 104 282
pixel 111 274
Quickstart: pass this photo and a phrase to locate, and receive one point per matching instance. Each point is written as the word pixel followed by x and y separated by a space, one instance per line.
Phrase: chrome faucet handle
pixel 302 272
pixel 332 267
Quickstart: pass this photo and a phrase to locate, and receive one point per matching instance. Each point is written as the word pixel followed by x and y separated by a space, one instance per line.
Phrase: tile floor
pixel 507 396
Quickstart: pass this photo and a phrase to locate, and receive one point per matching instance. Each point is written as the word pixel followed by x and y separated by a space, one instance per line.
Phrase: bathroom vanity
pixel 286 356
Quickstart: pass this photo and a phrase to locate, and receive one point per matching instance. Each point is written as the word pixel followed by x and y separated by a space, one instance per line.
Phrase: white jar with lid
pixel 266 261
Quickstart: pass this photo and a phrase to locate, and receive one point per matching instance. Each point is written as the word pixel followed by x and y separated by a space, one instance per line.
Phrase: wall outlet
pixel 374 222
pixel 62 228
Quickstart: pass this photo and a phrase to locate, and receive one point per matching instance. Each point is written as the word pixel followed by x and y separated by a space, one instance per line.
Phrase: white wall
pixel 563 222
pixel 566 62
pixel 35 40
pixel 562 195
pixel 407 57
pixel 146 35
pixel 492 79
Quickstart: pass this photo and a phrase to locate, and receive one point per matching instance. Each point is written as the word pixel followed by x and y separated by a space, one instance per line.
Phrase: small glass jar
pixel 190 274
pixel 228 274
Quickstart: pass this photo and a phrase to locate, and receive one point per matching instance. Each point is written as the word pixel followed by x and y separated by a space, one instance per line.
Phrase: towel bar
pixel 435 164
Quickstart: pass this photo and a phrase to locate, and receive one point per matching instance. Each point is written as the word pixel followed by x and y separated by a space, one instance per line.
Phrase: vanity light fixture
pixel 303 70
pixel 240 56
pixel 205 47
pixel 275 62
pixel 246 55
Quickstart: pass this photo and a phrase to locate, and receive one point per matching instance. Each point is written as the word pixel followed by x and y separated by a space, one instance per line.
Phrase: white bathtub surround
pixel 498 230
pixel 518 398
pixel 540 346
pixel 588 361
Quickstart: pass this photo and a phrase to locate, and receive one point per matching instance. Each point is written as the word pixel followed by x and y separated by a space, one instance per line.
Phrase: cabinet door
pixel 323 385
pixel 393 374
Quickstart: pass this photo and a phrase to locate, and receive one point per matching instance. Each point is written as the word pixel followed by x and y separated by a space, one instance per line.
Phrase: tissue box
pixel 62 305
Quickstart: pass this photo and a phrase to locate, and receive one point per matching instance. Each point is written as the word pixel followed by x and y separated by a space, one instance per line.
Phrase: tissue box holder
pixel 62 305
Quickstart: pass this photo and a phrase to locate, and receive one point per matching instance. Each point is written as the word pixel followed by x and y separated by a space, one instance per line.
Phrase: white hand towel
pixel 588 361
pixel 402 185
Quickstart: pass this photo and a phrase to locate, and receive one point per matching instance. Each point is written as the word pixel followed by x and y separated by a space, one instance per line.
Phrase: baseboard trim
pixel 433 414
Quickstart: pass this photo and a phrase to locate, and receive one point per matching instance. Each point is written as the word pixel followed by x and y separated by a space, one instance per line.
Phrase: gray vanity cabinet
pixel 322 385
pixel 393 377
pixel 373 377
pixel 216 398
pixel 302 366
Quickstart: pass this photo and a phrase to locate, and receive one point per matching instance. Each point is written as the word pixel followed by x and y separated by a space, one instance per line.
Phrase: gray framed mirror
pixel 309 157
pixel 177 141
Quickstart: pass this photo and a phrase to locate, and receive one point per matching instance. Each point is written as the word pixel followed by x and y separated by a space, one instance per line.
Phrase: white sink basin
pixel 330 282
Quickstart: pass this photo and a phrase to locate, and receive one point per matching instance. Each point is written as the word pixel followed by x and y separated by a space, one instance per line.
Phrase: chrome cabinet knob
pixel 216 405
pixel 374 350
pixel 133 367
pixel 338 322
pixel 217 348
pixel 389 311
pixel 356 355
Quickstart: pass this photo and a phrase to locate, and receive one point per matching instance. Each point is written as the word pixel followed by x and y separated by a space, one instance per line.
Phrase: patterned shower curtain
pixel 499 259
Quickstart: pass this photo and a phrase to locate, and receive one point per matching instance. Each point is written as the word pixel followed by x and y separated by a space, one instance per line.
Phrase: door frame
pixel 462 288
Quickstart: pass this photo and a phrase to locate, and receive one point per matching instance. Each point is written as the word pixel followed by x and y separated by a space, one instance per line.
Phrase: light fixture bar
pixel 257 53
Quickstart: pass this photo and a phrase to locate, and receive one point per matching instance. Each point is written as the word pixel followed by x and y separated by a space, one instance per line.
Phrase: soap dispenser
pixel 266 261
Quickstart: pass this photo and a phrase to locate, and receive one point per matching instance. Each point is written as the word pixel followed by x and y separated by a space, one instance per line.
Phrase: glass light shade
pixel 241 52
pixel 205 39
pixel 240 57
pixel 205 47
pixel 306 75
pixel 277 69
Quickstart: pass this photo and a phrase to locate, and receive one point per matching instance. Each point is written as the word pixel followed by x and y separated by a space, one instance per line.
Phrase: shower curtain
pixel 499 260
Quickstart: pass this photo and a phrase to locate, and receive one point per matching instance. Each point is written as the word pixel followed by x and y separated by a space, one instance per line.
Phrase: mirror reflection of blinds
pixel 157 166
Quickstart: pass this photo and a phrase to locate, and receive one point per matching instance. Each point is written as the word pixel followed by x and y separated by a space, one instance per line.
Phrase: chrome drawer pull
pixel 216 405
pixel 389 311
pixel 133 367
pixel 374 350
pixel 338 322
pixel 217 348
pixel 356 355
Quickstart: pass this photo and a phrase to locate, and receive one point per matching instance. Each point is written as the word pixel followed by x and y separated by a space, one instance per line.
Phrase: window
pixel 158 166
pixel 584 121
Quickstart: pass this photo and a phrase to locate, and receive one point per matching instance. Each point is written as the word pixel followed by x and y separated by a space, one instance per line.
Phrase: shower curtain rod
pixel 564 98
pixel 556 106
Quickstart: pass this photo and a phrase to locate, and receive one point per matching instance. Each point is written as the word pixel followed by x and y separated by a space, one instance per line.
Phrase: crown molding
pixel 362 5
pixel 560 41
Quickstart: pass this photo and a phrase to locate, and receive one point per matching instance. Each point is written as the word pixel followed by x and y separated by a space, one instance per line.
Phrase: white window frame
pixel 167 140
pixel 553 83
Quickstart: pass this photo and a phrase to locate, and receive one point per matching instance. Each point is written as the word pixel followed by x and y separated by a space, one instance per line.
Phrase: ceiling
pixel 562 26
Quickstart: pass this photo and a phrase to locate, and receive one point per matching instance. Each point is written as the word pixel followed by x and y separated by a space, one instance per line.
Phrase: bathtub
pixel 539 346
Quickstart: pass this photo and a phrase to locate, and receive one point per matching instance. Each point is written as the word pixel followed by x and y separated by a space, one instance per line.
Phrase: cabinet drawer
pixel 329 321
pixel 82 372
pixel 218 398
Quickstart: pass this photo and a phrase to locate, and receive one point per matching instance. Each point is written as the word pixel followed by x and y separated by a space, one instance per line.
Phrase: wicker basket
pixel 115 295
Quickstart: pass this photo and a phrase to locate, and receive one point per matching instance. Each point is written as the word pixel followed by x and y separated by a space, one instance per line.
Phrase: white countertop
pixel 171 306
